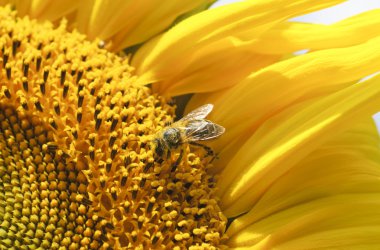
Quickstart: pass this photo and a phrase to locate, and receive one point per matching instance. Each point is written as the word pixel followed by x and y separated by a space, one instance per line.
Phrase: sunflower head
pixel 76 162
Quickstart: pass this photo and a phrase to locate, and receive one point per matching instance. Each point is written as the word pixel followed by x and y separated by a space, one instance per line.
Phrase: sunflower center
pixel 77 167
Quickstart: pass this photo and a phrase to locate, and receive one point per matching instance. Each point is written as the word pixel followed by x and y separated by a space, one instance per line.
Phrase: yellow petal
pixel 128 22
pixel 120 23
pixel 348 221
pixel 279 85
pixel 287 37
pixel 287 138
pixel 194 51
pixel 316 198
pixel 216 66
pixel 244 107
pixel 43 9
pixel 350 160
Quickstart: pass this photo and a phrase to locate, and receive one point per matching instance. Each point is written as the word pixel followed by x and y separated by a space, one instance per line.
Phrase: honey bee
pixel 191 128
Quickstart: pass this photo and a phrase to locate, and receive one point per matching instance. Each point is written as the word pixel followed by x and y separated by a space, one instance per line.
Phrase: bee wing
pixel 200 130
pixel 198 113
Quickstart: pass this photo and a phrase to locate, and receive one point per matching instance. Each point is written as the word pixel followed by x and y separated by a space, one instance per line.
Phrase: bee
pixel 191 128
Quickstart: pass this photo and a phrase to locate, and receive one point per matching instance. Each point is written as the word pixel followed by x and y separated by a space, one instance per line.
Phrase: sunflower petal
pixel 339 222
pixel 191 51
pixel 129 22
pixel 287 37
pixel 45 10
pixel 336 195
pixel 244 107
pixel 287 138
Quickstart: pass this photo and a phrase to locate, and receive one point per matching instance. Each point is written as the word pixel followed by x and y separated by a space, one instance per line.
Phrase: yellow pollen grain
pixel 76 162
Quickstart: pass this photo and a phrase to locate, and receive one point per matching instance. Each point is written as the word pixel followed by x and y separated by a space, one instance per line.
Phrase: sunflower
pixel 86 87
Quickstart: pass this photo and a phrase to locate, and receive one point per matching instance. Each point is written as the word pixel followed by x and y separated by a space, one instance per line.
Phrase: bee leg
pixel 209 150
pixel 215 156
pixel 178 161
pixel 158 159
pixel 168 154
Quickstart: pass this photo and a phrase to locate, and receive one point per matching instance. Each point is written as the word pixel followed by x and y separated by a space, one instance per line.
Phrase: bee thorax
pixel 172 137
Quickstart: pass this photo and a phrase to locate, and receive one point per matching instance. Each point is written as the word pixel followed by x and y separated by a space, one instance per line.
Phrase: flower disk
pixel 76 166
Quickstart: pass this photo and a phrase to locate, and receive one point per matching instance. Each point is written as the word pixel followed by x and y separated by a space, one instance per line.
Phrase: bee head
pixel 172 136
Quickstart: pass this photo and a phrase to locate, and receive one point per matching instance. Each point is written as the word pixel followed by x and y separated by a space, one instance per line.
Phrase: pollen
pixel 77 167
